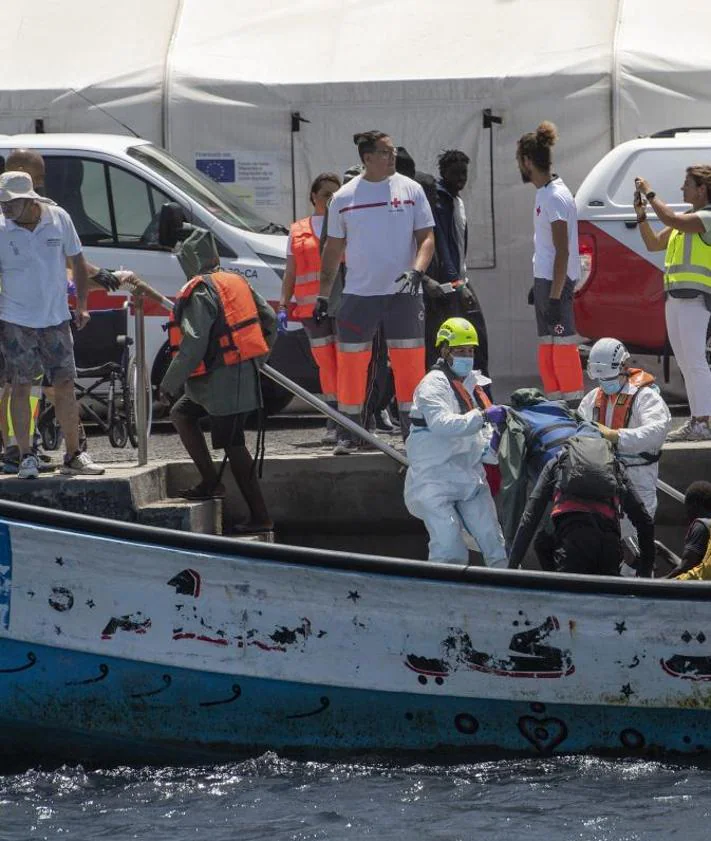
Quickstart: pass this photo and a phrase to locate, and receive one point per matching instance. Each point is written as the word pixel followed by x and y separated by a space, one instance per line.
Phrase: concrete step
pixel 198 516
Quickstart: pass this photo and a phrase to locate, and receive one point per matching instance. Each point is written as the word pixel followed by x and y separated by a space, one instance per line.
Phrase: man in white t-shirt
pixel 556 266
pixel 35 240
pixel 383 222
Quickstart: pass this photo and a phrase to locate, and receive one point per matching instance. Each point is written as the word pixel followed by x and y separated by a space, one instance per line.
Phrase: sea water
pixel 538 799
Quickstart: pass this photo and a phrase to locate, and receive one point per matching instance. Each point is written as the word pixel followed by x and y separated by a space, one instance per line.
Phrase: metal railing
pixel 142 394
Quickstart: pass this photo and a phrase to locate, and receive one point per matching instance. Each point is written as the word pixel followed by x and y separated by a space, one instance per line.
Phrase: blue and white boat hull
pixel 123 641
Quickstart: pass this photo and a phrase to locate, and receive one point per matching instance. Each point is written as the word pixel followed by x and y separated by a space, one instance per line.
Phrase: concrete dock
pixel 314 497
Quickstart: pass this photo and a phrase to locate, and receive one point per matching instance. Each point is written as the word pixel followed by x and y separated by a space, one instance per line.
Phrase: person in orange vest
pixel 631 414
pixel 301 281
pixel 556 266
pixel 220 330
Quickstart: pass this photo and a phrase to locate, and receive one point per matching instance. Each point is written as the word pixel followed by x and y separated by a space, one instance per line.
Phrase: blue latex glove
pixel 495 441
pixel 282 321
pixel 495 414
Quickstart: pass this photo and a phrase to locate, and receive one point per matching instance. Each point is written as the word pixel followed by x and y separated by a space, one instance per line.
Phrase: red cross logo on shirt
pixel 538 210
pixel 396 202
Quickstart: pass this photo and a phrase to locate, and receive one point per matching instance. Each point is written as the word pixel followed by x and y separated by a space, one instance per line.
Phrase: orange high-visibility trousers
pixel 558 357
pixel 358 319
pixel 322 339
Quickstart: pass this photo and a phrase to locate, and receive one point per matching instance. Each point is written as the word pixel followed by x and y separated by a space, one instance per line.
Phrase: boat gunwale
pixel 229 547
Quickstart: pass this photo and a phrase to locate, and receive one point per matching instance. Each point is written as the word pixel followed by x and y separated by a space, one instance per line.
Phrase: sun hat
pixel 16 185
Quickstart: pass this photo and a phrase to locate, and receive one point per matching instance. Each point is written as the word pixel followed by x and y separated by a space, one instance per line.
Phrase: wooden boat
pixel 123 642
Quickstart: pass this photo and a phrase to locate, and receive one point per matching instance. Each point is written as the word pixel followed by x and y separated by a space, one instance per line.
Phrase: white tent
pixel 213 78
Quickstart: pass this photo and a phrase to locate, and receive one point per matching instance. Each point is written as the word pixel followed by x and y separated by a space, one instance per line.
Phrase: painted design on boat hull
pixel 530 656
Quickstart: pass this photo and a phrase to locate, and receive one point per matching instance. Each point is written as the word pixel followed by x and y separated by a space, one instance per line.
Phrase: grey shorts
pixel 31 351
pixel 541 293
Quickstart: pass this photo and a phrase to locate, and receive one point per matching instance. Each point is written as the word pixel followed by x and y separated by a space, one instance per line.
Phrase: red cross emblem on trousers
pixel 396 202
pixel 538 210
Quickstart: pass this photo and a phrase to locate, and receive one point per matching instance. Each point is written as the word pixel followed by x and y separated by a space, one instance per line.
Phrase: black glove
pixel 107 280
pixel 320 309
pixel 411 280
pixel 531 300
pixel 431 288
pixel 467 298
pixel 553 311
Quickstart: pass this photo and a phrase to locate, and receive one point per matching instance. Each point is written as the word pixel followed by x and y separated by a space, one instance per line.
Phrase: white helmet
pixel 607 358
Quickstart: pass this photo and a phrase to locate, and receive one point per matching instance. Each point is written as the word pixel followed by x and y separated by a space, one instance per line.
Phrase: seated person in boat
pixel 695 561
pixel 589 488
pixel 220 330
pixel 446 483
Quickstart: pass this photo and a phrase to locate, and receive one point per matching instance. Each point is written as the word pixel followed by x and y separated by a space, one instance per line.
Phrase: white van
pixel 114 186
pixel 621 292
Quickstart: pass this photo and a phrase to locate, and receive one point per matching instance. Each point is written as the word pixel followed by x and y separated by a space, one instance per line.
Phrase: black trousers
pixel 586 544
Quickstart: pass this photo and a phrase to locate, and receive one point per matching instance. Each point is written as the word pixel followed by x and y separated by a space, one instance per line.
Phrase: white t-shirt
pixel 316 227
pixel 33 288
pixel 554 203
pixel 378 220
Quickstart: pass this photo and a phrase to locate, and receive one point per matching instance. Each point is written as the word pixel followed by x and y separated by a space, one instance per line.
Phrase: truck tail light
pixel 586 248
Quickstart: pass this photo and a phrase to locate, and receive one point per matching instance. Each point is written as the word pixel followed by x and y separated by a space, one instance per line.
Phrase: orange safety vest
pixel 623 402
pixel 236 335
pixel 464 396
pixel 305 247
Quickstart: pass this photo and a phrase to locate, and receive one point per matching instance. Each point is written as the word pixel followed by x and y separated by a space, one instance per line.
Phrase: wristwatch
pixel 650 195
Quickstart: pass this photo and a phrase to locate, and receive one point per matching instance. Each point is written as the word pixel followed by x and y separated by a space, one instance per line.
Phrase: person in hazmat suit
pixel 446 485
pixel 630 412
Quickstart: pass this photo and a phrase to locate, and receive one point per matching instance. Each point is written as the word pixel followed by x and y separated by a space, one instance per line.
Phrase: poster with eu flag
pixel 252 176
pixel 221 170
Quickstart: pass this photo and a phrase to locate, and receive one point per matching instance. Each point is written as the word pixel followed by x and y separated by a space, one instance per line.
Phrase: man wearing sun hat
pixel 36 238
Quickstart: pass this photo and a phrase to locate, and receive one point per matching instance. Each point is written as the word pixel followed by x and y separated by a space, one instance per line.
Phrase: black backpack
pixel 589 469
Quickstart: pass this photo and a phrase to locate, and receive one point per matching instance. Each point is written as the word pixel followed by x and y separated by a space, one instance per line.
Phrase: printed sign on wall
pixel 252 176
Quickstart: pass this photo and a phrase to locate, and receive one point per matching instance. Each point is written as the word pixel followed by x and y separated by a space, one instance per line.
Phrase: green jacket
pixel 227 390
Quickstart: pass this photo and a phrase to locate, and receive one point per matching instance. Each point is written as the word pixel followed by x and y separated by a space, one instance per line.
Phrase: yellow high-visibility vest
pixel 702 571
pixel 687 263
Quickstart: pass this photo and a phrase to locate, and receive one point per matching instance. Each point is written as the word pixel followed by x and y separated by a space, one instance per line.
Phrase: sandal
pixel 203 491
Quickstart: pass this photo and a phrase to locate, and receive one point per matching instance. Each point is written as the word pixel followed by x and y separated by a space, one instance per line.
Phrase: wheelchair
pixel 106 382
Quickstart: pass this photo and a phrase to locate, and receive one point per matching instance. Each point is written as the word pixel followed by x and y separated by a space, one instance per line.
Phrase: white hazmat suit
pixel 446 485
pixel 645 432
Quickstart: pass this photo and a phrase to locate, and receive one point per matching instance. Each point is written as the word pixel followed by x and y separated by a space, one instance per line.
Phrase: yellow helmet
pixel 457 332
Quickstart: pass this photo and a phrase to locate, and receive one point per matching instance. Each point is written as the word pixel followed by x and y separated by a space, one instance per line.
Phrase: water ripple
pixel 270 797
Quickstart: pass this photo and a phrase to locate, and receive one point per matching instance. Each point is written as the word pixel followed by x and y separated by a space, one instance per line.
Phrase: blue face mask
pixel 461 366
pixel 611 386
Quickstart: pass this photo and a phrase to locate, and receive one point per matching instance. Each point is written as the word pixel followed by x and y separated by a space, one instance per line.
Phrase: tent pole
pixel 615 79
pixel 168 78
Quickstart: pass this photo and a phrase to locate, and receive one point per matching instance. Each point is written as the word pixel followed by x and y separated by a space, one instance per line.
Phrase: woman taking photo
pixel 687 283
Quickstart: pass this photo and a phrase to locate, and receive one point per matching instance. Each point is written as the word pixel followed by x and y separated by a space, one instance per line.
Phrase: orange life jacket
pixel 307 261
pixel 623 402
pixel 236 335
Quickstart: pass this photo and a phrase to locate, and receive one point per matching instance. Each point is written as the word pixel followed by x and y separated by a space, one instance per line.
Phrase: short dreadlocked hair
pixel 449 157
pixel 698 499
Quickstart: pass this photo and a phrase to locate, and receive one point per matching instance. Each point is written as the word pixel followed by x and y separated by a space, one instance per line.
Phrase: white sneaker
pixel 81 464
pixel 29 468
pixel 691 430
pixel 345 447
